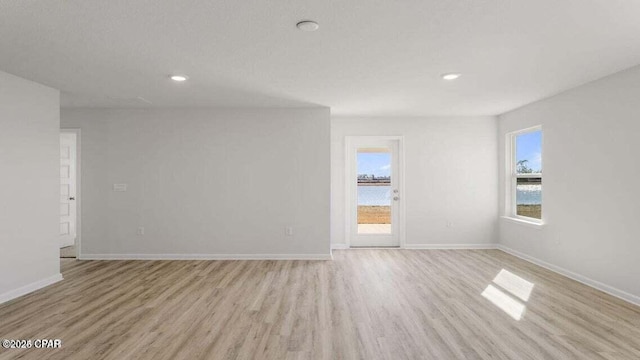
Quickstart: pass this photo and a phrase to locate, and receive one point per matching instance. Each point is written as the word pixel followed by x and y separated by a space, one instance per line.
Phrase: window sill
pixel 531 224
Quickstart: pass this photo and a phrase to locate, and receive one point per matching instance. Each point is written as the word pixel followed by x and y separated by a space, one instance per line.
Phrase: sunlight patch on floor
pixel 514 284
pixel 510 294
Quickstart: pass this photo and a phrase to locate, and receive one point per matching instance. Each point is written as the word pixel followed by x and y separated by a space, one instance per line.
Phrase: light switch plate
pixel 119 187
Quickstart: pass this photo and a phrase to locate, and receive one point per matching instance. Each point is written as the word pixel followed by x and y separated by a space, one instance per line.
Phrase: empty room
pixel 303 179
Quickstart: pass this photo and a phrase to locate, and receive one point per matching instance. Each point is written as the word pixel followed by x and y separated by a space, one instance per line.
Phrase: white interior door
pixel 67 189
pixel 374 191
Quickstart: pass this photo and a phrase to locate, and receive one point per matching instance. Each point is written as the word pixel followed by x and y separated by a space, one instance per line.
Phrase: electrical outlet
pixel 141 230
pixel 449 224
pixel 288 231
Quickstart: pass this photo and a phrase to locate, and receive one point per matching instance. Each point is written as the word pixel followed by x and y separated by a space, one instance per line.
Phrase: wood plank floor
pixel 366 304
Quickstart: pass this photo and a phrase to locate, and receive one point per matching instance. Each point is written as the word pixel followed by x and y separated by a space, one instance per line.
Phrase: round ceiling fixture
pixel 308 25
pixel 451 76
pixel 179 78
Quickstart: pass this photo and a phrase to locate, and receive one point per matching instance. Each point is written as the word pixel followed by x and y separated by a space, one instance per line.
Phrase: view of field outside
pixel 374 191
pixel 529 161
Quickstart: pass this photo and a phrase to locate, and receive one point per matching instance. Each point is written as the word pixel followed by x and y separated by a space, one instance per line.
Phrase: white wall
pixel 204 183
pixel 29 186
pixel 450 175
pixel 591 203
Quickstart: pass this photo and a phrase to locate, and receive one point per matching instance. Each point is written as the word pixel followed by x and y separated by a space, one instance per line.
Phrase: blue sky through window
pixel 378 164
pixel 529 147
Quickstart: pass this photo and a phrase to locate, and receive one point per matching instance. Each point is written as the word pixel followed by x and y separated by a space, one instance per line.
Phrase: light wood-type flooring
pixel 365 304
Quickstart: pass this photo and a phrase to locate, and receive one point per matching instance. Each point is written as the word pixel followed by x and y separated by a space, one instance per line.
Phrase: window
pixel 525 193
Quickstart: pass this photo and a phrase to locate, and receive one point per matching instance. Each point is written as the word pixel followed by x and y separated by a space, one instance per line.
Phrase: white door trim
pixel 348 171
pixel 78 202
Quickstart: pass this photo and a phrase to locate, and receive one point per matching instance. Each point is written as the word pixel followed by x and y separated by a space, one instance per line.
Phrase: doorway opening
pixel 374 187
pixel 69 193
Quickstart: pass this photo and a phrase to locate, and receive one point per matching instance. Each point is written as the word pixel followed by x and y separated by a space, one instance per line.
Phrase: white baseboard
pixel 10 295
pixel 577 277
pixel 205 257
pixel 430 246
pixel 339 246
pixel 450 246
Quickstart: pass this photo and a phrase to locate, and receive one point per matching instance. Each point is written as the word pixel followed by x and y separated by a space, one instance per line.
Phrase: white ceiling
pixel 369 57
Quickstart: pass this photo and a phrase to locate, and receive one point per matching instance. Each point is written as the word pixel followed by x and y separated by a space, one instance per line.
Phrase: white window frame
pixel 512 176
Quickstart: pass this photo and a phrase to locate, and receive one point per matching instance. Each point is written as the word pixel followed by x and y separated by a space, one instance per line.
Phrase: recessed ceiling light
pixel 308 25
pixel 451 76
pixel 179 77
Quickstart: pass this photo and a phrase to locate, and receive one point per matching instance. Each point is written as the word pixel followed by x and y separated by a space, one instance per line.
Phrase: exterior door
pixel 374 192
pixel 67 189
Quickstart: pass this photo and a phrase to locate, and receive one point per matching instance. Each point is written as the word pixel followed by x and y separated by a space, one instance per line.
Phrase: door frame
pixel 78 201
pixel 351 213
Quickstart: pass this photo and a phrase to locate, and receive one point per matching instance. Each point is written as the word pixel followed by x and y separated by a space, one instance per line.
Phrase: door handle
pixel 72 198
pixel 396 198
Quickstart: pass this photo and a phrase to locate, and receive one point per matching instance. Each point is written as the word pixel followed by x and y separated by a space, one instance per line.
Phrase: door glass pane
pixel 374 191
